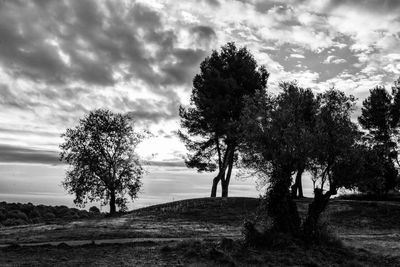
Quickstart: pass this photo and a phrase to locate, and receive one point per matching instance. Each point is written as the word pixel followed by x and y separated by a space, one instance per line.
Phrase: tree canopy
pixel 103 163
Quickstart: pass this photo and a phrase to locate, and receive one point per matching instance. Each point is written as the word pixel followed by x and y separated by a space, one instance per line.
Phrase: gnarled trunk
pixel 280 205
pixel 315 210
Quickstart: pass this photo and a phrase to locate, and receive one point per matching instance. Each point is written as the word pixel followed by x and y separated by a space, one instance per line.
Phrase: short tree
pixel 212 120
pixel 279 135
pixel 335 155
pixel 103 164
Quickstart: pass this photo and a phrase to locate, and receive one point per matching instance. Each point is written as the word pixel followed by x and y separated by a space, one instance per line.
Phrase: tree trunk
pixel 297 186
pixel 225 182
pixel 215 184
pixel 280 205
pixel 112 203
pixel 224 187
pixel 315 210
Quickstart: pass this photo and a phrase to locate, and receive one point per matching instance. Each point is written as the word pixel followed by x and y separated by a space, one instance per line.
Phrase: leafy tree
pixel 103 164
pixel 376 115
pixel 278 138
pixel 336 153
pixel 278 143
pixel 212 120
pixel 380 116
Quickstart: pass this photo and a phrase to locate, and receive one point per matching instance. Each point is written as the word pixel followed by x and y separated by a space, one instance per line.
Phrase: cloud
pixel 296 56
pixel 164 163
pixel 16 154
pixel 333 60
pixel 90 41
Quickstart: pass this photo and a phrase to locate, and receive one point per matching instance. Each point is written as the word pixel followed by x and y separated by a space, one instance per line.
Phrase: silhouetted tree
pixel 379 174
pixel 376 115
pixel 278 143
pixel 323 138
pixel 336 153
pixel 212 120
pixel 103 164
pixel 380 115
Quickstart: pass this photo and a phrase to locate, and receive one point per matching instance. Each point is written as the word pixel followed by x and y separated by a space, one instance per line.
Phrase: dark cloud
pixel 183 70
pixel 380 6
pixel 151 110
pixel 203 32
pixel 214 3
pixel 89 41
pixel 15 154
pixel 28 132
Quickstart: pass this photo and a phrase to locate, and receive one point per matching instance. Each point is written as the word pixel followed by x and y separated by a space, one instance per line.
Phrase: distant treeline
pixel 12 214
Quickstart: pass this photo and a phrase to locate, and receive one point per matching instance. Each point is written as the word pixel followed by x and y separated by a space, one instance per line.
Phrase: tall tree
pixel 380 116
pixel 212 120
pixel 376 115
pixel 103 164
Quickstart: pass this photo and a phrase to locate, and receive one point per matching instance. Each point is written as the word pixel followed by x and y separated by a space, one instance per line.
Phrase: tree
pixel 103 164
pixel 212 120
pixel 335 155
pixel 278 137
pixel 376 115
pixel 380 116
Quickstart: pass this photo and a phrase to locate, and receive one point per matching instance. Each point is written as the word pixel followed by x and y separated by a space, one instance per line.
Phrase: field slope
pixel 203 231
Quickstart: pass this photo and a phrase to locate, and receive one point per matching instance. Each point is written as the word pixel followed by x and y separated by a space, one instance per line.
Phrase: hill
pixel 205 232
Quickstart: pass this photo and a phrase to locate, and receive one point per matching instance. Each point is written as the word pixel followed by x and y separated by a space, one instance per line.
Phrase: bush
pixel 94 209
pixel 17 214
pixel 49 216
pixel 13 222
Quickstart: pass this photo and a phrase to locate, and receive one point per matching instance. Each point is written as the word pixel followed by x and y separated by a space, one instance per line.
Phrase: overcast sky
pixel 61 59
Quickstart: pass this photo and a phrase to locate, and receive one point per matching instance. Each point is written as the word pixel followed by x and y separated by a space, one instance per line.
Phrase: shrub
pixel 49 216
pixel 17 214
pixel 13 222
pixel 94 209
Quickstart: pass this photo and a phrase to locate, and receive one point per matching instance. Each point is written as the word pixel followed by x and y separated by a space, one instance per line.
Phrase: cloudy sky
pixel 61 59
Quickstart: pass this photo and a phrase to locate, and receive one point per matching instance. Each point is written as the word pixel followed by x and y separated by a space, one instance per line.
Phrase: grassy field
pixel 204 232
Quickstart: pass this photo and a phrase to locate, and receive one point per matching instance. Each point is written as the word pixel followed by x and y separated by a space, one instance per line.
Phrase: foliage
pixel 279 134
pixel 19 214
pixel 103 164
pixel 380 117
pixel 295 128
pixel 212 121
pixel 94 209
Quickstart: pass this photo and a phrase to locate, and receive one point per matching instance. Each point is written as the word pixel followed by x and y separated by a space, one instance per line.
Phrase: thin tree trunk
pixel 225 182
pixel 224 187
pixel 215 184
pixel 298 182
pixel 112 203
pixel 297 186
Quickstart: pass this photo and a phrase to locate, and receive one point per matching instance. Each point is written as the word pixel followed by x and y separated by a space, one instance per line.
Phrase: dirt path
pixel 74 243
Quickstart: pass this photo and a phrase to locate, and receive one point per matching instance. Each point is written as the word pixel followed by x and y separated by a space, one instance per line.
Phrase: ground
pixel 203 232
